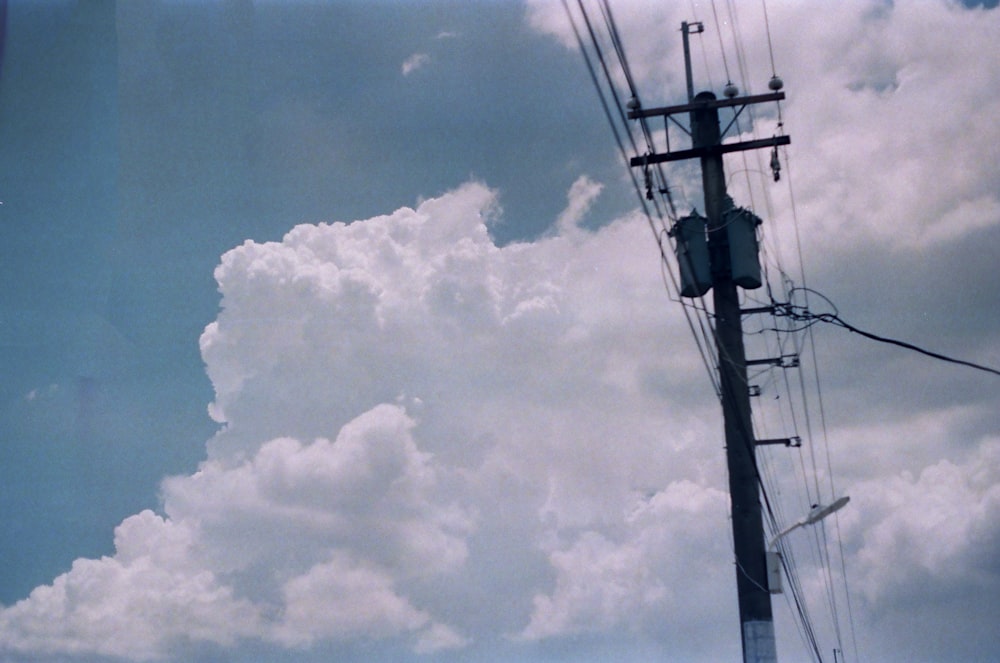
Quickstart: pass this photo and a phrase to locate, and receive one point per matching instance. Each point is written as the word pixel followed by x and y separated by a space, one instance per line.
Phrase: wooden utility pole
pixel 756 621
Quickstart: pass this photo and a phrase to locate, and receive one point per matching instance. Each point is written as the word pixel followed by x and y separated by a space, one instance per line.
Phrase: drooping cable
pixel 824 553
pixel 769 510
pixel 749 434
pixel 704 326
pixel 790 291
pixel 804 314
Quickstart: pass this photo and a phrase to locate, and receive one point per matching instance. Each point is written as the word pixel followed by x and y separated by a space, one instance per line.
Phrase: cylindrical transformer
pixel 741 232
pixel 692 255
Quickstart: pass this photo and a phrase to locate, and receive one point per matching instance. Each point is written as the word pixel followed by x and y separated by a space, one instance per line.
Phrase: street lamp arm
pixel 774 542
pixel 816 514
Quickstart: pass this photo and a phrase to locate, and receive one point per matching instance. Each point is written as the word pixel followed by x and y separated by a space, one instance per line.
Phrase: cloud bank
pixel 437 443
pixel 401 438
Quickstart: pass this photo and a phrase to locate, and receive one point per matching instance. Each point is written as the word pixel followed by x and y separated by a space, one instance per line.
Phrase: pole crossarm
pixel 709 150
pixel 704 105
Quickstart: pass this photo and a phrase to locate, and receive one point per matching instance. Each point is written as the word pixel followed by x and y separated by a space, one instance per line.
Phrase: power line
pixel 658 234
pixel 824 555
pixel 805 315
pixel 763 475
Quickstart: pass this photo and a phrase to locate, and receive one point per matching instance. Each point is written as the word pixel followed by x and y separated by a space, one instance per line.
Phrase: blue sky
pixel 468 422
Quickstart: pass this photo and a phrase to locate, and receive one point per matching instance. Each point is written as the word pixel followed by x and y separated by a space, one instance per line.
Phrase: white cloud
pixel 580 198
pixel 414 62
pixel 367 375
pixel 343 599
pixel 666 549
pixel 297 543
pixel 135 605
pixel 929 525
pixel 416 419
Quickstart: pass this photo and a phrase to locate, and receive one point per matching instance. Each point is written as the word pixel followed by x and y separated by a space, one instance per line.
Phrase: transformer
pixel 692 255
pixel 741 233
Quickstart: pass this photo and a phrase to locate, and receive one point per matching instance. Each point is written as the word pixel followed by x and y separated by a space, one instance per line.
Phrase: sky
pixel 334 331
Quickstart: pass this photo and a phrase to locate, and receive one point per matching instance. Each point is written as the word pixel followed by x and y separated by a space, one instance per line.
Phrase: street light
pixel 817 513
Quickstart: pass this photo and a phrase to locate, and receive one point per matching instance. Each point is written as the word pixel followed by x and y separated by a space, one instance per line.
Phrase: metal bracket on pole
pixel 795 442
pixel 784 361
pixel 758 309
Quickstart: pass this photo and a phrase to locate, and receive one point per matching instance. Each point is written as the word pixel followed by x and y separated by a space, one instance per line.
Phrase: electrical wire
pixel 663 188
pixel 824 551
pixel 788 284
pixel 805 315
pixel 767 483
pixel 704 325
pixel 767 30
pixel 722 49
pixel 784 333
pixel 748 437
pixel 703 349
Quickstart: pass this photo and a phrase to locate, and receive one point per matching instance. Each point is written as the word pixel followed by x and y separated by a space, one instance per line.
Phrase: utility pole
pixel 726 260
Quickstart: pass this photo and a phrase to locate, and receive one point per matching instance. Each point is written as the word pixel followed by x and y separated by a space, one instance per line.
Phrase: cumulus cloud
pixel 433 441
pixel 633 578
pixel 935 524
pixel 297 543
pixel 380 383
pixel 149 596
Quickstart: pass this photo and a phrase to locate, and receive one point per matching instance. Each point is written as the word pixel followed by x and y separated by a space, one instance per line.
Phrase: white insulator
pixel 730 90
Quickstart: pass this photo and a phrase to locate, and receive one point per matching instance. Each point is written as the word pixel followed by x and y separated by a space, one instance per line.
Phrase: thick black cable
pixel 833 318
pixel 909 346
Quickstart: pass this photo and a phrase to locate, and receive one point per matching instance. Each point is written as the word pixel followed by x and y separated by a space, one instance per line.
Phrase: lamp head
pixel 821 511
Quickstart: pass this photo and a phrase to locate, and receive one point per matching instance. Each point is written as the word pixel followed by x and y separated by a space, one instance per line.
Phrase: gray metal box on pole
pixel 692 255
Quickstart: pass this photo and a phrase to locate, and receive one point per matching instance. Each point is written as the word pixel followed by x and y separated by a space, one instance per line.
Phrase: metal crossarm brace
pixel 678 155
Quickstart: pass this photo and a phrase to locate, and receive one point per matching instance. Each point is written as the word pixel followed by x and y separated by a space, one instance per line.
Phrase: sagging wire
pixel 803 314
